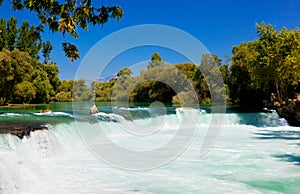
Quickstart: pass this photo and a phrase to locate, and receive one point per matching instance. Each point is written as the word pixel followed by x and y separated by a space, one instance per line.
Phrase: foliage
pixel 155 61
pixel 24 92
pixel 67 17
pixel 24 79
pixel 80 92
pixel 63 97
pixel 46 50
pixel 259 69
pixel 26 38
pixel 102 90
pixel 184 98
pixel 52 71
pixel 194 75
pixel 64 91
pixel 15 67
pixel 44 89
pixel 267 65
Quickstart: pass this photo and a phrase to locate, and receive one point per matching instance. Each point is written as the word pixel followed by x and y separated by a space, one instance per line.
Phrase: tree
pixel 123 86
pixel 15 67
pixel 80 92
pixel 267 65
pixel 156 60
pixel 43 87
pixel 184 98
pixel 29 40
pixel 46 50
pixel 64 91
pixel 52 75
pixel 24 92
pixel 12 33
pixel 26 38
pixel 103 90
pixel 194 75
pixel 210 67
pixel 63 97
pixel 124 72
pixel 3 34
pixel 68 16
pixel 66 85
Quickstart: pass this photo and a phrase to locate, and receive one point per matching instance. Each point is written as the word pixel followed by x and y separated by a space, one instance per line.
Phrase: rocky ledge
pixel 291 112
pixel 21 129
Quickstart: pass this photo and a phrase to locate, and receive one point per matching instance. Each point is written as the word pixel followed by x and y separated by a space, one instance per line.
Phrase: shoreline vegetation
pixel 261 73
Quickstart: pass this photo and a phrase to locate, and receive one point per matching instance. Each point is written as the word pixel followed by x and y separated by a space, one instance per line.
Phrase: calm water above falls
pixel 254 153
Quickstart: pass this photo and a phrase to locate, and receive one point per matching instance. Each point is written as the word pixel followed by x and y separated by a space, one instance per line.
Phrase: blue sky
pixel 219 25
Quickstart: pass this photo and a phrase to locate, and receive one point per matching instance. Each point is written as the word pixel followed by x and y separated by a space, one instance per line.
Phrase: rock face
pixel 21 129
pixel 20 133
pixel 94 110
pixel 291 113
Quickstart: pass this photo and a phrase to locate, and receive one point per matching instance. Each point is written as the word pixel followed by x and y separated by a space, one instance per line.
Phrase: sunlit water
pixel 254 153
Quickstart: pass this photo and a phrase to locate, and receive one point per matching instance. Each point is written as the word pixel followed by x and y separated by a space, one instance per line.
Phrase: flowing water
pixel 253 153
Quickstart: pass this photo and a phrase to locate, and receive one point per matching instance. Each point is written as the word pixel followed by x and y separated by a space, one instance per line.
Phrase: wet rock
pixel 21 129
pixel 45 111
pixel 291 112
pixel 94 110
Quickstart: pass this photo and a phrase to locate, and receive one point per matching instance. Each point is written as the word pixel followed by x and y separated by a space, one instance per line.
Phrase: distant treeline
pixel 260 72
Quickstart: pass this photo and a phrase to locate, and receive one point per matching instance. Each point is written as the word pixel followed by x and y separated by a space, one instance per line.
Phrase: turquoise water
pixel 253 153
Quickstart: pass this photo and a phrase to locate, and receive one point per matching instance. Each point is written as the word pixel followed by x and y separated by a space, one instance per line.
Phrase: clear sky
pixel 219 25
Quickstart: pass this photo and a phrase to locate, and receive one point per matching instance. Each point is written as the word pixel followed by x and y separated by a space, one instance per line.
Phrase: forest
pixel 260 72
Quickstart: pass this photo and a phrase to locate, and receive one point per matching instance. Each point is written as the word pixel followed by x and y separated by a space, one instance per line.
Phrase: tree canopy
pixel 25 80
pixel 65 17
pixel 262 71
pixel 26 38
pixel 270 64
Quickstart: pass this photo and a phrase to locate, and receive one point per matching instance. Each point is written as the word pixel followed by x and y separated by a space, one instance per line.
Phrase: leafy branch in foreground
pixel 68 15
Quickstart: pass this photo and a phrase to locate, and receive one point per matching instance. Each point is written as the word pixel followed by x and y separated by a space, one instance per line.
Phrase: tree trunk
pixel 278 91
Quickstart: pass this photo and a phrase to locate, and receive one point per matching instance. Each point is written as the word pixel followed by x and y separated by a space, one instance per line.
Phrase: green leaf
pixel 71 51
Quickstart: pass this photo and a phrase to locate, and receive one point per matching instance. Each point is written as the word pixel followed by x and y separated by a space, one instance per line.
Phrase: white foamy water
pixel 254 153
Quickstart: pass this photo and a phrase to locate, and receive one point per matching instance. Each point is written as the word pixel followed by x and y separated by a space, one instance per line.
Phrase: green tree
pixel 64 91
pixel 266 65
pixel 24 92
pixel 194 75
pixel 15 67
pixel 46 50
pixel 210 67
pixel 80 91
pixel 123 86
pixel 68 16
pixel 22 43
pixel 103 90
pixel 43 88
pixel 26 38
pixel 3 34
pixel 52 71
pixel 124 72
pixel 12 33
pixel 63 97
pixel 29 40
pixel 66 85
pixel 156 60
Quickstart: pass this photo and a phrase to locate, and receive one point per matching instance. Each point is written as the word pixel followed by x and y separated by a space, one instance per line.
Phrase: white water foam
pixel 253 154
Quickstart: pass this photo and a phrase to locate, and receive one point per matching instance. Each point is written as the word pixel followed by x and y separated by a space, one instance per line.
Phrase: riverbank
pixel 18 105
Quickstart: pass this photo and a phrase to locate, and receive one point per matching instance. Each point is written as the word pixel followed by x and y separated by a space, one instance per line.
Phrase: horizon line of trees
pixel 263 71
